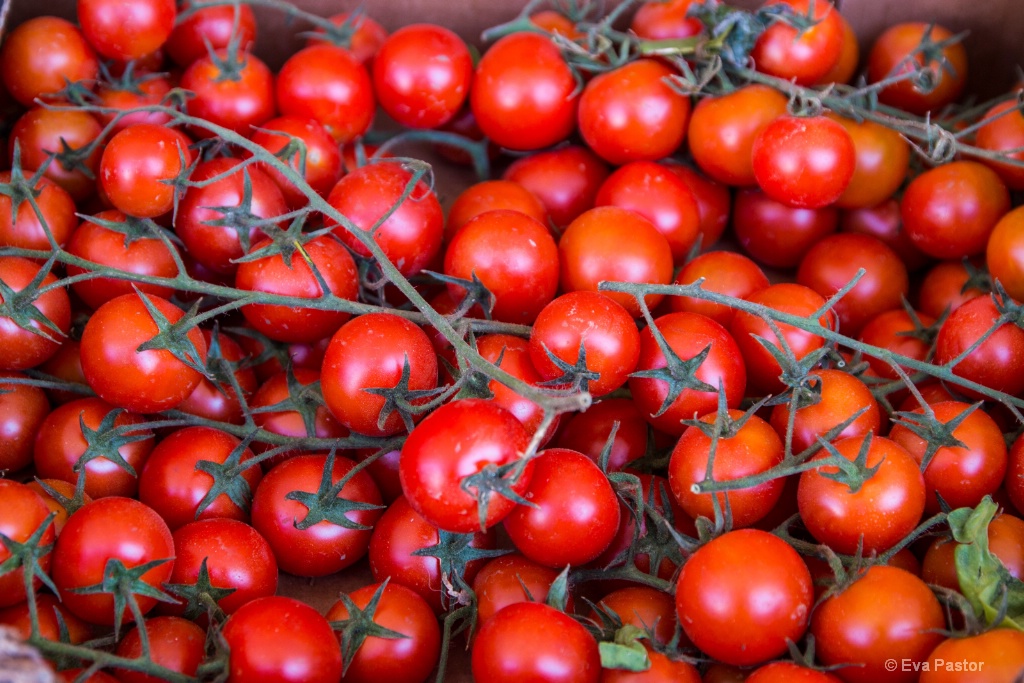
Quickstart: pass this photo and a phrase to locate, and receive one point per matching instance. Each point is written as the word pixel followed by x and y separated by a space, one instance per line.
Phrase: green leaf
pixel 627 653
pixel 993 592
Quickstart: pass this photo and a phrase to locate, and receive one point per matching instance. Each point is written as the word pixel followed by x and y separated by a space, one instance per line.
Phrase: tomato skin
pixel 754 448
pixel 723 129
pixel 488 195
pixel 175 643
pixel 524 95
pixel 513 255
pixel 688 334
pixel 322 158
pixel 515 360
pixel 281 639
pixel 588 432
pixel 566 180
pixel 895 52
pixel 724 272
pixel 720 603
pixel 236 555
pixel 40 54
pixel 762 369
pixel 141 381
pixel 1004 253
pixel 889 331
pixel 219 401
pixel 509 579
pixel 804 56
pixel 126 30
pixel 944 286
pixel 1001 650
pixel 289 422
pixel 237 104
pixel 60 443
pixel 357 360
pixel 274 275
pixel 23 408
pixel 421 75
pixel 211 24
pixel 1004 133
pixel 456 441
pixel 949 211
pixel 643 607
pixel 142 256
pixel 664 20
pixel 883 510
pixel 108 528
pixel 218 246
pixel 841 395
pixel 601 326
pixel 171 483
pixel 663 670
pixel 325 547
pixel 789 672
pixel 961 475
pixel 23 513
pixel 21 349
pixel 803 162
pixel 856 627
pixel 399 533
pixel 367 35
pixel 411 236
pixel 48 607
pixel 398 660
pixel 661 196
pixel 885 222
pixel 882 162
pixel 609 243
pixel 577 513
pixel 24 229
pixel 998 362
pixel 531 641
pixel 135 164
pixel 41 131
pixel 327 83
pixel 630 114
pixel 1015 475
pixel 777 235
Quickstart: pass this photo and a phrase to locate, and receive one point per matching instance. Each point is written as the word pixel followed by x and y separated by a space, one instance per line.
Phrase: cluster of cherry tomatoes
pixel 238 338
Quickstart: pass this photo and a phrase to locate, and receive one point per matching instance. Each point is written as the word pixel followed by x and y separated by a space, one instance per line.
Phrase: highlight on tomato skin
pixel 644 342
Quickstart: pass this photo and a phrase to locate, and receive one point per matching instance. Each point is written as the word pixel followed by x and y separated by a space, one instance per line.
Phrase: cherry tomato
pixel 25 347
pixel 777 235
pixel 43 55
pixel 618 245
pixel 524 95
pixel 882 159
pixel 665 20
pixel 721 604
pixel 108 529
pixel 747 450
pixel 145 381
pixel 566 180
pixel 588 432
pixel 59 134
pixel 213 26
pixel 723 129
pixel 366 35
pixel 885 222
pixel 724 272
pixel 126 30
pixel 804 162
pixel 319 163
pixel 515 258
pixel 884 507
pixel 509 579
pixel 24 229
pixel 60 444
pixel 421 75
pixel 590 324
pixel 855 627
pixel 24 512
pixel 575 512
pixel 531 641
pixel 489 195
pixel 305 539
pixel 409 658
pixel 896 52
pixel 840 395
pixel 950 211
pixel 514 355
pixel 1001 650
pixel 688 335
pixel 804 56
pixel 23 408
pixel 1004 253
pixel 631 114
pixel 327 83
pixel 279 638
pixel 293 406
pixel 997 362
pixel 358 360
pixel 174 643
